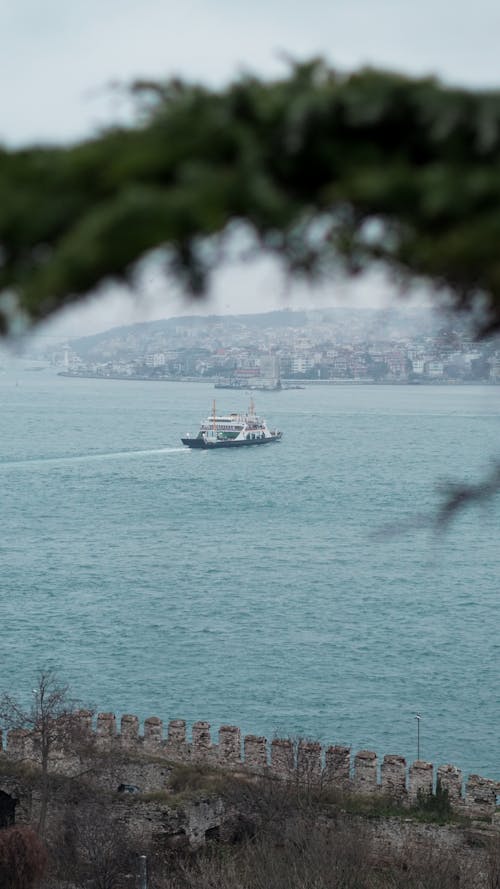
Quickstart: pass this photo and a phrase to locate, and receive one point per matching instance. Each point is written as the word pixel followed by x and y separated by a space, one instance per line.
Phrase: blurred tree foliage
pixel 324 168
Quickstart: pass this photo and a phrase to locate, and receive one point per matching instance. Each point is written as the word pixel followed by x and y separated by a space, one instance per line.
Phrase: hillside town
pixel 269 350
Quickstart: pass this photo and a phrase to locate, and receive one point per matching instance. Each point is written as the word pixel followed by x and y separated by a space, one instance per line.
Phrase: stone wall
pixel 333 767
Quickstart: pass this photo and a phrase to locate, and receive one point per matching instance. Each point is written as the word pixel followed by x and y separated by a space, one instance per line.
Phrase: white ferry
pixel 232 431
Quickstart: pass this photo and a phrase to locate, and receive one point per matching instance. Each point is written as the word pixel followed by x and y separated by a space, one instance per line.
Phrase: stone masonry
pixel 306 761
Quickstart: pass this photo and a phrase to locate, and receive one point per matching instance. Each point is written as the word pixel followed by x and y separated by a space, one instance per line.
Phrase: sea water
pixel 300 589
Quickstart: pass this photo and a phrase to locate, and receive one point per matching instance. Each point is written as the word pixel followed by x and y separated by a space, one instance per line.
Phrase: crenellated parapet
pixel 282 757
pixel 177 733
pixel 229 752
pixel 393 777
pixel 106 729
pixel 450 780
pixel 337 772
pixel 480 796
pixel 19 744
pixel 303 762
pixel 365 772
pixel 255 753
pixel 153 733
pixel 421 779
pixel 201 745
pixel 309 762
pixel 129 730
pixel 82 721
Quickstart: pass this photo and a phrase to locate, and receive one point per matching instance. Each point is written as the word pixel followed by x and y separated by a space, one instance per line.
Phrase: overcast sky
pixel 60 57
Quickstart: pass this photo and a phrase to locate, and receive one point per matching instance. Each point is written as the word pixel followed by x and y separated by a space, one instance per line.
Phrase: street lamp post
pixel 418 718
pixel 143 872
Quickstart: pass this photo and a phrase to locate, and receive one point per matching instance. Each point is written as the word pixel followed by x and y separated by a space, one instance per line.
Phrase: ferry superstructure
pixel 232 430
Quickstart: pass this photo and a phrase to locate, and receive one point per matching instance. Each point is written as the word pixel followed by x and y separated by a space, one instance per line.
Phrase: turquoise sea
pixel 300 589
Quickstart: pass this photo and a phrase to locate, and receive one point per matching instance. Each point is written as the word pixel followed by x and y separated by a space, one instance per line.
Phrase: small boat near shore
pixel 232 431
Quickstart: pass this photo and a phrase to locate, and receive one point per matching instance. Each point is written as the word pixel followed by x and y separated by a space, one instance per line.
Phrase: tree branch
pixel 388 168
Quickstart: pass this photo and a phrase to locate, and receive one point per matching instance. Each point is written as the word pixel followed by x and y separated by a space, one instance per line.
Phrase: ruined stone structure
pixel 304 762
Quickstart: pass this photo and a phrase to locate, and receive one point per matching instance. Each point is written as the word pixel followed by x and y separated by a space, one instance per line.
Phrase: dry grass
pixel 308 855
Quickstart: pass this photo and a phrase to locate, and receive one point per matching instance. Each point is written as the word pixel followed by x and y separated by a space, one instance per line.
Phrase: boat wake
pixel 88 458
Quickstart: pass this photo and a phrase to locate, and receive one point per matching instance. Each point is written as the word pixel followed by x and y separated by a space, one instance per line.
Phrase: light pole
pixel 143 872
pixel 418 718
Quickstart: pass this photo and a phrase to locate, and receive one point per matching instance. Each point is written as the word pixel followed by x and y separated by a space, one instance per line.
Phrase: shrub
pixel 23 858
pixel 437 804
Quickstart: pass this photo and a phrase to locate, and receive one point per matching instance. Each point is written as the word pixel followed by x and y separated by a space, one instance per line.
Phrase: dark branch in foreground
pixel 322 167
pixel 460 495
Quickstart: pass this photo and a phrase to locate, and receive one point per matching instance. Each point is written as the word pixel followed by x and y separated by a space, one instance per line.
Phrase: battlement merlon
pixel 284 759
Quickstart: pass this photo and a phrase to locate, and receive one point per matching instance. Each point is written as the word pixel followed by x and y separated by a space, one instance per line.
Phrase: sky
pixel 64 63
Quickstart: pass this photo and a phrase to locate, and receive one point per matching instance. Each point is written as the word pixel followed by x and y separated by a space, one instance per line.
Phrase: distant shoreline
pixel 293 383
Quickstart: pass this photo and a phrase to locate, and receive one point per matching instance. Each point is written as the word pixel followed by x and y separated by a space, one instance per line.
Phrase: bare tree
pixel 52 722
pixel 93 850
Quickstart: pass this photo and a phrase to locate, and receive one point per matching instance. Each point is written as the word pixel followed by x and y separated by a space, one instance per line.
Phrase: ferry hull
pixel 201 444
